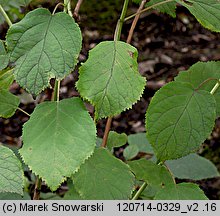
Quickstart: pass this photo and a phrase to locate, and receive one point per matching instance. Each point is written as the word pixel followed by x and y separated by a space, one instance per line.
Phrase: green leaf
pixel 179 118
pixel 110 79
pixel 8 103
pixel 6 78
pixel 198 75
pixel 153 174
pixel 72 194
pixel 4 58
pixel 104 177
pixel 207 12
pixel 192 167
pixel 169 7
pixel 58 138
pixel 183 191
pixel 130 152
pixel 116 140
pixel 140 140
pixel 43 46
pixel 14 196
pixel 11 173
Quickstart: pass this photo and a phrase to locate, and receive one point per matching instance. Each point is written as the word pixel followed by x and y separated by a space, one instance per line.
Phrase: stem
pixel 7 19
pixel 76 10
pixel 37 189
pixel 148 8
pixel 140 190
pixel 23 111
pixel 55 96
pixel 121 21
pixel 67 7
pixel 107 129
pixel 134 23
pixel 57 7
pixel 215 88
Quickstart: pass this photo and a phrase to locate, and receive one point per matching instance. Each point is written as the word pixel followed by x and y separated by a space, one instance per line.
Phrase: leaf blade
pixel 109 79
pixel 66 140
pixel 37 46
pixel 179 119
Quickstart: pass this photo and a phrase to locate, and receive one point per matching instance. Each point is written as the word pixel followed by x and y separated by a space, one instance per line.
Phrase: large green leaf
pixel 179 118
pixel 153 174
pixel 43 46
pixel 169 7
pixel 58 138
pixel 104 177
pixel 4 58
pixel 6 78
pixel 116 140
pixel 183 191
pixel 8 103
pixel 11 173
pixel 192 167
pixel 198 76
pixel 110 79
pixel 207 12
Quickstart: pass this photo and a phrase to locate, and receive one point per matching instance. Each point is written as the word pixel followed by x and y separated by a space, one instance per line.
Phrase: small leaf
pixel 169 7
pixel 179 118
pixel 4 58
pixel 6 78
pixel 110 79
pixel 130 152
pixel 104 177
pixel 116 140
pixel 72 194
pixel 58 138
pixel 182 191
pixel 151 173
pixel 207 12
pixel 8 103
pixel 11 173
pixel 43 46
pixel 140 140
pixel 192 167
pixel 198 75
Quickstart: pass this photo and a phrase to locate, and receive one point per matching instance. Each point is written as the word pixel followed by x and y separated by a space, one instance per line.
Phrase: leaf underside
pixel 168 8
pixel 109 79
pixel 207 12
pixel 104 177
pixel 11 173
pixel 8 103
pixel 192 167
pixel 57 139
pixel 4 58
pixel 179 118
pixel 43 46
pixel 202 73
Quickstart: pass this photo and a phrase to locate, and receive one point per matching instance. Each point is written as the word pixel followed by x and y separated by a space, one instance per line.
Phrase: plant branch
pixel 148 8
pixel 215 88
pixel 120 22
pixel 107 129
pixel 7 19
pixel 57 7
pixel 140 190
pixel 76 10
pixel 37 188
pixel 55 96
pixel 23 111
pixel 134 23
